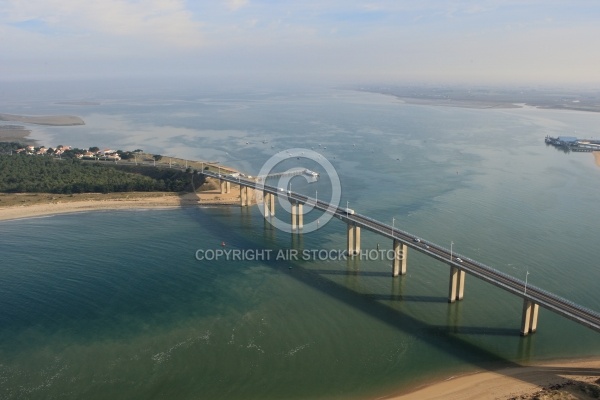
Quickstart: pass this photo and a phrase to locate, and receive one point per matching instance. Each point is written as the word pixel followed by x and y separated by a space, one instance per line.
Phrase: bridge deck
pixel 559 305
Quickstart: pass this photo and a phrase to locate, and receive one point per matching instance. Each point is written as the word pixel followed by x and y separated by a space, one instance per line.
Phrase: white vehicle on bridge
pixel 349 211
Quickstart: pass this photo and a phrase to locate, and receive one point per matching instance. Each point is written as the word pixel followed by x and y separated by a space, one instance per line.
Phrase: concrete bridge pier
pixel 245 196
pixel 529 317
pixel 399 262
pixel 297 216
pixel 457 284
pixel 225 187
pixel 268 204
pixel 265 205
pixel 353 239
pixel 271 204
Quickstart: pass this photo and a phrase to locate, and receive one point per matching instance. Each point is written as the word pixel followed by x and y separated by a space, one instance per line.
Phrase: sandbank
pixel 14 133
pixel 553 380
pixel 53 120
pixel 43 204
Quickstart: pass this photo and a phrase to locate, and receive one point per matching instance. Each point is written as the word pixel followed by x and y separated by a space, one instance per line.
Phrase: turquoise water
pixel 115 304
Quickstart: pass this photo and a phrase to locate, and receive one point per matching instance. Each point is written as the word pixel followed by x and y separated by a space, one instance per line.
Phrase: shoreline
pixel 57 205
pixel 551 378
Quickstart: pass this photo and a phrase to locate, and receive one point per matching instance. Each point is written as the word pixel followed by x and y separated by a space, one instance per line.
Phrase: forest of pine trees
pixel 21 173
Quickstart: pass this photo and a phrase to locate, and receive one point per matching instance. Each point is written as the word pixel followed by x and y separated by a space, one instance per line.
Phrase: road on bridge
pixel 561 306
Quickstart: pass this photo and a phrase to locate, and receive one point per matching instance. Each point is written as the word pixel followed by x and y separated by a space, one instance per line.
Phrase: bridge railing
pixel 488 268
pixel 388 229
pixel 529 286
pixel 381 223
pixel 534 288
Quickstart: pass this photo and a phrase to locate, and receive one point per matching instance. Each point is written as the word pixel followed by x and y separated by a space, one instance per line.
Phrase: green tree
pixel 125 155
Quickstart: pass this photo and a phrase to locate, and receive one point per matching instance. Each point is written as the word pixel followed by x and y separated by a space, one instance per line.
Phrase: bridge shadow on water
pixel 401 297
pixel 476 330
pixel 442 337
pixel 349 273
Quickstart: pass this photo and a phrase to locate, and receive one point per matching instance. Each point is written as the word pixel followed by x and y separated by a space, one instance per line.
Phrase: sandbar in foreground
pixel 557 380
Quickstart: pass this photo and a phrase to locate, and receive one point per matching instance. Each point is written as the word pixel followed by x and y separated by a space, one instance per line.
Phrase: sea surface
pixel 116 304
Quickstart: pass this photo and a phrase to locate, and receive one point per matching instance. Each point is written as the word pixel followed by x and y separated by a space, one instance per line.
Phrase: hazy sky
pixel 334 41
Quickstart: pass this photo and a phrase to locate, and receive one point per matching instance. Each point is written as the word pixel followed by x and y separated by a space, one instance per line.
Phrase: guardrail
pixel 389 231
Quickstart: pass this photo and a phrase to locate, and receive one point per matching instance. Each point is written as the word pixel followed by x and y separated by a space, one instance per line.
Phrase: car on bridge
pixel 458 259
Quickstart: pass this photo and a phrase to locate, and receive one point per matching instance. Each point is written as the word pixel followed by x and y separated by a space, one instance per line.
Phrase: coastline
pixel 549 380
pixel 49 204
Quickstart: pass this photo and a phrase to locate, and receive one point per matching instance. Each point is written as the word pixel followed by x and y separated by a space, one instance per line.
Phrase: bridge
pixel 533 297
pixel 291 172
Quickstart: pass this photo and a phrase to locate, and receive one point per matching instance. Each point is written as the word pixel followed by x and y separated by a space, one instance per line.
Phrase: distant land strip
pixel 79 103
pixel 466 97
pixel 53 120
pixel 457 103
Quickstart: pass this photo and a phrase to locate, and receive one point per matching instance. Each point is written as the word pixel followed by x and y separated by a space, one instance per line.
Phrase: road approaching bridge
pixel 533 297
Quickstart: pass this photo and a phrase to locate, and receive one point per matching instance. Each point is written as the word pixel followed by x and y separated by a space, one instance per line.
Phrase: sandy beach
pixel 575 379
pixel 17 206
